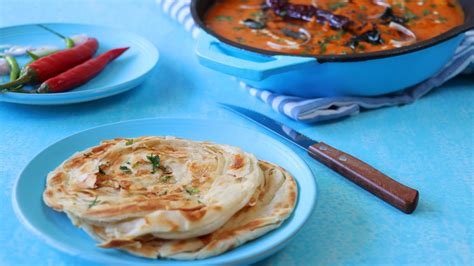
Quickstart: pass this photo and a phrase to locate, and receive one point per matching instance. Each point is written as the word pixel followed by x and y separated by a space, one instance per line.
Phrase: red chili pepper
pixel 80 74
pixel 55 64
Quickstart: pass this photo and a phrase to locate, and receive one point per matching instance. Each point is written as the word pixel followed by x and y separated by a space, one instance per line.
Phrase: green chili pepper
pixel 14 74
pixel 69 42
pixel 14 67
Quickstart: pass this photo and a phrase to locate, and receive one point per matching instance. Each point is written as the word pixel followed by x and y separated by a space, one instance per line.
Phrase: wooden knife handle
pixel 367 177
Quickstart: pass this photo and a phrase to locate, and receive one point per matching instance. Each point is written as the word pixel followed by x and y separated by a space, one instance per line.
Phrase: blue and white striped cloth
pixel 327 108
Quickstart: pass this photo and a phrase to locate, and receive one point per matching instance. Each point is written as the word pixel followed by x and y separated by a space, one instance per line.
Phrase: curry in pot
pixel 312 27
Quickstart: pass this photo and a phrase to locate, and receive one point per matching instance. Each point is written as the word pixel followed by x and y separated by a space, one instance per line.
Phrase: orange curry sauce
pixel 423 18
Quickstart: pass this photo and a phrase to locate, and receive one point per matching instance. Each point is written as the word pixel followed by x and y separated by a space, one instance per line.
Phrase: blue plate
pixel 56 229
pixel 124 73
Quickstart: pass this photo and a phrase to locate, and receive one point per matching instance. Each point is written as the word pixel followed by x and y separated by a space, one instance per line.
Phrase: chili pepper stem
pixel 52 31
pixel 17 90
pixel 32 55
pixel 69 41
pixel 20 81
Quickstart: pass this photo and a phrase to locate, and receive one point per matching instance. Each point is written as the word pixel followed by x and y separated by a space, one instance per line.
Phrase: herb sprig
pixel 192 190
pixel 94 202
pixel 165 178
pixel 224 18
pixel 125 169
pixel 155 162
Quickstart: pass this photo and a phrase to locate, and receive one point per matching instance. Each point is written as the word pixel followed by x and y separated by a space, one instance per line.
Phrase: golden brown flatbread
pixel 168 187
pixel 274 202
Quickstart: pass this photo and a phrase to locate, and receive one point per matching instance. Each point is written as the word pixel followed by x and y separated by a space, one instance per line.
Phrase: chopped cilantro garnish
pixel 336 37
pixel 155 162
pixel 322 47
pixel 362 7
pixel 125 169
pixel 256 14
pixel 241 40
pixel 442 19
pixel 410 15
pixel 165 178
pixel 192 190
pixel 433 6
pixel 398 5
pixel 94 202
pixel 334 6
pixel 224 18
pixel 426 12
pixel 129 142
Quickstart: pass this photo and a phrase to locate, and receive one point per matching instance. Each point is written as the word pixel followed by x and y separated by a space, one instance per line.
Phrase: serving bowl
pixel 363 74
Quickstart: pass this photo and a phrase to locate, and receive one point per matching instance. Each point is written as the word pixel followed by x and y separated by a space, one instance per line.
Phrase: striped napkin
pixel 327 108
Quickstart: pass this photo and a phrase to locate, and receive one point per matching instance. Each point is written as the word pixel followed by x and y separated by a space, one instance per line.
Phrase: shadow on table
pixel 456 84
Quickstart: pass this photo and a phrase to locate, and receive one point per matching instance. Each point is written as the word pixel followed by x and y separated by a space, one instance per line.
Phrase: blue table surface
pixel 427 145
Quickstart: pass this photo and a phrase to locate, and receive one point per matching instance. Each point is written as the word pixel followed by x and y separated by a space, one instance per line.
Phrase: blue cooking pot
pixel 365 74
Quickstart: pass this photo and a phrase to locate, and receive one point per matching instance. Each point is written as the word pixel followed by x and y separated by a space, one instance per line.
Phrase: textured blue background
pixel 427 145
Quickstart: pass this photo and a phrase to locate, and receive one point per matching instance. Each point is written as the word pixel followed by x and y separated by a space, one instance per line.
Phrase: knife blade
pixel 394 193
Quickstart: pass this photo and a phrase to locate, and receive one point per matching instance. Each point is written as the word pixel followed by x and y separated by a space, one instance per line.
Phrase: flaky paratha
pixel 168 187
pixel 275 202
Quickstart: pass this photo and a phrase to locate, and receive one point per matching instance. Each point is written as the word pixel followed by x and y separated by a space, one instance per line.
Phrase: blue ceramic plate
pixel 124 73
pixel 56 229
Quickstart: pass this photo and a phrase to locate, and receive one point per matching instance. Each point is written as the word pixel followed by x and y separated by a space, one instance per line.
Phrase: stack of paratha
pixel 170 197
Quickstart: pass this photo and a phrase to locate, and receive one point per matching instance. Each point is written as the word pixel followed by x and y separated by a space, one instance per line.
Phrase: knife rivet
pixel 323 148
pixel 342 158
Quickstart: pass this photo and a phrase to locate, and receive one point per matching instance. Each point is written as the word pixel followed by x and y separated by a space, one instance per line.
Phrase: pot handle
pixel 216 55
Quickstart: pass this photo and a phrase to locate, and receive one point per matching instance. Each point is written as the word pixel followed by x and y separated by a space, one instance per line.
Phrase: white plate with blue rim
pixel 124 73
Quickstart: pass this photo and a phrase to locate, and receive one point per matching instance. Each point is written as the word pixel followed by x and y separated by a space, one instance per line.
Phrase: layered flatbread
pixel 166 187
pixel 274 202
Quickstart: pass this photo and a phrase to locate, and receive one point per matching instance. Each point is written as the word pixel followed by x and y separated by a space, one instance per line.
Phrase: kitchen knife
pixel 396 194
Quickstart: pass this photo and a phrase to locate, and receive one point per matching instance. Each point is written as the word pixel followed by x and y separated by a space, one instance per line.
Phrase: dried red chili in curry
pixel 332 26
